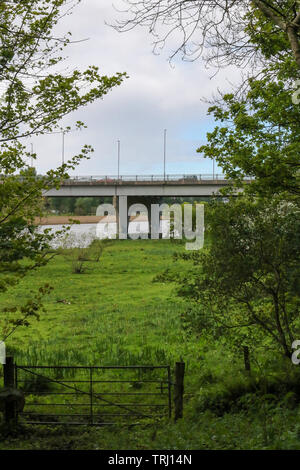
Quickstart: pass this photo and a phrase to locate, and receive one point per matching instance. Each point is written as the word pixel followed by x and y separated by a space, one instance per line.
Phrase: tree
pixel 83 206
pixel 259 136
pixel 36 96
pixel 67 205
pixel 233 31
pixel 247 279
pixel 61 205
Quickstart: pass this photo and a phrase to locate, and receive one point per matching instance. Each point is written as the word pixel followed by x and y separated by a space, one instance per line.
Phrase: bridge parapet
pixel 142 186
pixel 217 179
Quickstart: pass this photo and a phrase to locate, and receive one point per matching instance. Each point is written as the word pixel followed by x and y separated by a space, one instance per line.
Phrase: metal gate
pixel 98 396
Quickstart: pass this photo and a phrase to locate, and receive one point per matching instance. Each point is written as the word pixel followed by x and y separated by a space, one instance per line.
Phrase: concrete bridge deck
pixel 151 185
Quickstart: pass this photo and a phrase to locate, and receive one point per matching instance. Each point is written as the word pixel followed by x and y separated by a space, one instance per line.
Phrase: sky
pixel 156 96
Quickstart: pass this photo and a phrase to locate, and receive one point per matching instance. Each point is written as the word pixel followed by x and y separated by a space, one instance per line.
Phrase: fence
pixel 97 395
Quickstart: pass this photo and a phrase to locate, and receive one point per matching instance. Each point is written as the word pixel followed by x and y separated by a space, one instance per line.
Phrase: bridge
pixel 147 185
pixel 124 189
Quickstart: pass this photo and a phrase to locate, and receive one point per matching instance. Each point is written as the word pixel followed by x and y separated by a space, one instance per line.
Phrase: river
pixel 83 234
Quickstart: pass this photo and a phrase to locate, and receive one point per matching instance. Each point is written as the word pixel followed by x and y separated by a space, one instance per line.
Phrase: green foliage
pixel 73 205
pixel 109 315
pixel 257 132
pixel 258 136
pixel 241 284
pixel 35 98
pixel 80 250
pixel 268 39
pixel 116 315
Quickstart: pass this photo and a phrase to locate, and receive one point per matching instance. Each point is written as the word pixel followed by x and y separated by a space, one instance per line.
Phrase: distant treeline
pixel 88 205
pixel 74 205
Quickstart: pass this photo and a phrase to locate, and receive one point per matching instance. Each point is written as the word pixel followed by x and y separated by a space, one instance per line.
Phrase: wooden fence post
pixel 179 389
pixel 9 382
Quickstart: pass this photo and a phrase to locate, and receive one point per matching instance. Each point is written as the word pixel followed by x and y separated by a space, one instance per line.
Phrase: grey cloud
pixel 156 96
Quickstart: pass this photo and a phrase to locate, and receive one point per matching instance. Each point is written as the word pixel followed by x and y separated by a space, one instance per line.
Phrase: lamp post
pixel 31 152
pixel 63 148
pixel 119 151
pixel 165 152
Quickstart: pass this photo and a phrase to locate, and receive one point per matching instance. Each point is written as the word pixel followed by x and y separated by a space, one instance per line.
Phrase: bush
pixel 80 249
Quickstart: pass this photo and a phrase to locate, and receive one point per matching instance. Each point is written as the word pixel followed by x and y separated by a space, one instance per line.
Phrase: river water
pixel 83 234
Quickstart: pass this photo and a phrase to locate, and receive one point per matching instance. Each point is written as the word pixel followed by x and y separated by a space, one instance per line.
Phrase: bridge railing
pixel 149 178
pixel 143 178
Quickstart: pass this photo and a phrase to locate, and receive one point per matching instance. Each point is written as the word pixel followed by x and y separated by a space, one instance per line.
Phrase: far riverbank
pixel 67 219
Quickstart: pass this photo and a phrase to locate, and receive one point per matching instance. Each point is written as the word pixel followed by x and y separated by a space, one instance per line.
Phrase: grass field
pixel 111 315
pixel 114 314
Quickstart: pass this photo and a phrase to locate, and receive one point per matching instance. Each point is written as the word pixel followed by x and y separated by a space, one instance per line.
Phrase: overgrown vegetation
pixel 116 314
pixel 245 283
pixel 34 102
pixel 80 251
pixel 239 295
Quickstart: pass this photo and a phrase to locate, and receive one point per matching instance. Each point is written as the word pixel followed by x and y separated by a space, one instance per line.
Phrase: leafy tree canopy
pixel 35 98
pixel 245 282
pixel 258 136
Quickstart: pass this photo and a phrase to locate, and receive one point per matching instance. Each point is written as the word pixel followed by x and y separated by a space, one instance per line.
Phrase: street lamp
pixel 119 151
pixel 31 153
pixel 63 148
pixel 165 152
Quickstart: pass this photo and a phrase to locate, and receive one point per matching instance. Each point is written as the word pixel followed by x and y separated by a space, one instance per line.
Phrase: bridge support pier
pixel 122 217
pixel 147 201
pixel 121 204
pixel 116 207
